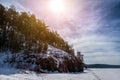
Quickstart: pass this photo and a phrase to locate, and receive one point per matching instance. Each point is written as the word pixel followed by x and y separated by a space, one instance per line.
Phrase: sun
pixel 57 6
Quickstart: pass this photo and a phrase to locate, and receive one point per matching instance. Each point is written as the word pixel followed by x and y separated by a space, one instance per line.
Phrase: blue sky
pixel 91 26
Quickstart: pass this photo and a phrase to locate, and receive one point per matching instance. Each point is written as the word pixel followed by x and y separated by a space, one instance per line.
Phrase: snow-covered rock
pixel 52 60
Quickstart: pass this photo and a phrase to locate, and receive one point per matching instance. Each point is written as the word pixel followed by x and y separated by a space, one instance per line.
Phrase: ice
pixel 107 74
pixel 90 74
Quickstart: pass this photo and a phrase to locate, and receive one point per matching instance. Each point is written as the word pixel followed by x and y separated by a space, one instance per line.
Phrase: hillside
pixel 55 60
pixel 27 43
pixel 23 31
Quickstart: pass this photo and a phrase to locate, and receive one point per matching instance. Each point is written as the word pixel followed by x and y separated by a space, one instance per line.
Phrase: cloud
pixel 103 59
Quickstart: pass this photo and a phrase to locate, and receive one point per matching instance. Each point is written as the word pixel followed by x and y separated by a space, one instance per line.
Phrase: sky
pixel 91 26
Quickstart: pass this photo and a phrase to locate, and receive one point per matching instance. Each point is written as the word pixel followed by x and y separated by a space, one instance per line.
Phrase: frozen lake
pixel 90 74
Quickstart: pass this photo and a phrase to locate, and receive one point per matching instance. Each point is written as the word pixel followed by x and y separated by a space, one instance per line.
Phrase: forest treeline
pixel 23 31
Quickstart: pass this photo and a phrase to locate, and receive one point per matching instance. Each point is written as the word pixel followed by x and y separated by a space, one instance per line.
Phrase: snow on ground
pixel 9 73
pixel 106 74
pixel 90 74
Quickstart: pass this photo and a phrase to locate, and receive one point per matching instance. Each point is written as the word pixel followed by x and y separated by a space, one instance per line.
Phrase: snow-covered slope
pixel 4 67
pixel 52 51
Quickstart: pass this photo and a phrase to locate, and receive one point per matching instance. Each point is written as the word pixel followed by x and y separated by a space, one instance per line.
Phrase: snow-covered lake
pixel 90 74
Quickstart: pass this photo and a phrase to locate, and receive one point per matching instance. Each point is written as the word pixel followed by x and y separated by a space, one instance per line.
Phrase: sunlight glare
pixel 57 6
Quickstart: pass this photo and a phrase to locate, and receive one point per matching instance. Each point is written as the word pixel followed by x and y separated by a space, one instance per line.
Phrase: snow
pixel 4 56
pixel 53 50
pixel 107 74
pixel 4 67
pixel 9 73
pixel 19 60
pixel 90 74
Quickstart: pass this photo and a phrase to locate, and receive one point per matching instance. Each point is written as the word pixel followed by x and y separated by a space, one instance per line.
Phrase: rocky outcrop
pixel 53 60
pixel 47 63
